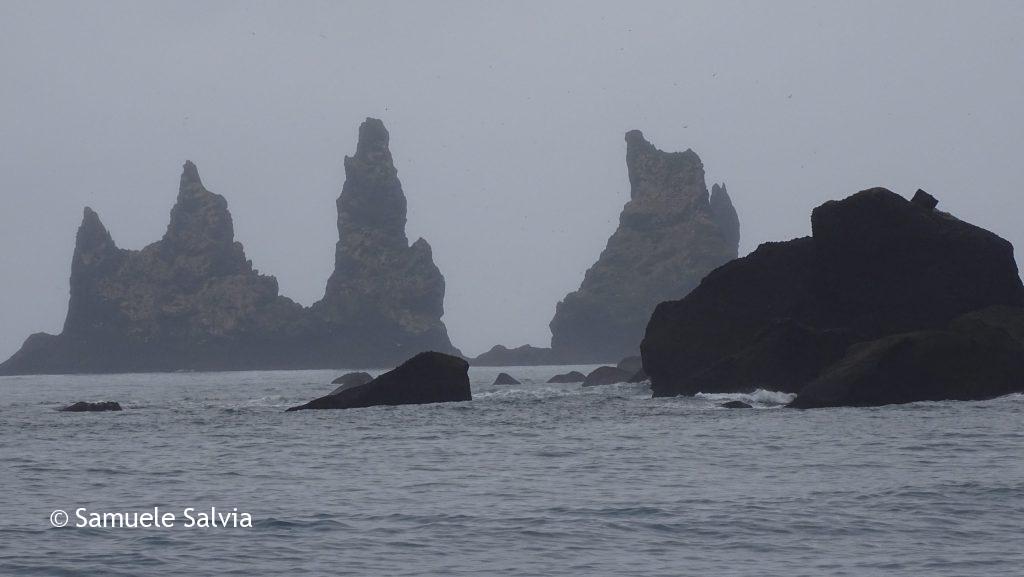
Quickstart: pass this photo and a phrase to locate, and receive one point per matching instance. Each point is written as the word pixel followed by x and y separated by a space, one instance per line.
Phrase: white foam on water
pixel 759 397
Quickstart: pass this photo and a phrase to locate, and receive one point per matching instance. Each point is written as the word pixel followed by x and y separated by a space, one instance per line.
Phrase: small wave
pixel 759 397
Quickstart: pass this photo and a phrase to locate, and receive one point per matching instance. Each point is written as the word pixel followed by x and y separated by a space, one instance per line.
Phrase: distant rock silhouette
pixel 736 405
pixel 426 378
pixel 193 301
pixel 385 298
pixel 85 407
pixel 566 378
pixel 505 379
pixel 524 356
pixel 671 233
pixel 606 376
pixel 877 265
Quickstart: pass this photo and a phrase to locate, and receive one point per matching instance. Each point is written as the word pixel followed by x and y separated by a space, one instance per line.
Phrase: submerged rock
pixel 566 378
pixel 736 405
pixel 524 356
pixel 426 378
pixel 606 376
pixel 85 407
pixel 876 265
pixel 671 233
pixel 349 380
pixel 505 379
pixel 977 358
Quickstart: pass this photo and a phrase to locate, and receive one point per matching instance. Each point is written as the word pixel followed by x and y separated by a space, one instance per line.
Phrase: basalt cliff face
pixel 193 301
pixel 876 265
pixel 671 233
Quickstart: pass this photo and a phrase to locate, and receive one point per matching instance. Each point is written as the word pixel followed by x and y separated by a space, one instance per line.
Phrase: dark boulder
pixel 84 407
pixel 606 376
pixel 524 356
pixel 981 356
pixel 349 380
pixel 736 405
pixel 671 233
pixel 877 264
pixel 426 378
pixel 505 379
pixel 566 378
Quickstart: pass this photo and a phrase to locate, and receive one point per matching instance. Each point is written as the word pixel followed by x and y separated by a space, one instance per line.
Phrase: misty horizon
pixel 513 162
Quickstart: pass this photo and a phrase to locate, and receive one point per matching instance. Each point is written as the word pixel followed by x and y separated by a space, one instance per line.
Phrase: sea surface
pixel 534 479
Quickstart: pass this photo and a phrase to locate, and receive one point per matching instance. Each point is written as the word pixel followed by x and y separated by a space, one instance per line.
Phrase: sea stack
pixel 876 265
pixel 191 300
pixel 385 298
pixel 671 233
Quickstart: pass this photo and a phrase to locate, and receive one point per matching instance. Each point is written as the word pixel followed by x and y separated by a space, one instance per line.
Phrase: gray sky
pixel 506 120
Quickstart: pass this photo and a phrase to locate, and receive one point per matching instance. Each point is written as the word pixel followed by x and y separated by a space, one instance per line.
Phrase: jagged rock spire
pixel 96 257
pixel 201 230
pixel 387 291
pixel 372 201
pixel 725 214
pixel 671 234
pixel 655 175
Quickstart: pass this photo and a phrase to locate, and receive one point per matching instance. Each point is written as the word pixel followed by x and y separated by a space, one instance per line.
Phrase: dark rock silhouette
pixel 566 378
pixel 876 265
pixel 349 380
pixel 980 357
pixel 735 405
pixel 671 233
pixel 385 298
pixel 193 301
pixel 429 377
pixel 188 301
pixel 606 376
pixel 505 379
pixel 524 356
pixel 84 407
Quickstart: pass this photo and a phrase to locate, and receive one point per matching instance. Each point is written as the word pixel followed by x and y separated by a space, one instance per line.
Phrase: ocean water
pixel 533 479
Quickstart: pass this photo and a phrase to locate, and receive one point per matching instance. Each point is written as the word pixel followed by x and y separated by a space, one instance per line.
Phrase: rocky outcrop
pixel 193 301
pixel 736 405
pixel 524 356
pixel 671 233
pixel 86 407
pixel 606 376
pixel 979 357
pixel 505 379
pixel 426 378
pixel 568 378
pixel 876 265
pixel 385 298
pixel 188 301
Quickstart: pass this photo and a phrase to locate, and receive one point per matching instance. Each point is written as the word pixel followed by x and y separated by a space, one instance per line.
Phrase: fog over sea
pixel 523 480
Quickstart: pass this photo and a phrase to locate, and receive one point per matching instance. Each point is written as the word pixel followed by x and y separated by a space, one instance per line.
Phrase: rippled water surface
pixel 533 479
